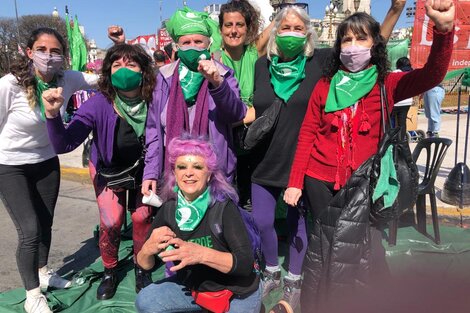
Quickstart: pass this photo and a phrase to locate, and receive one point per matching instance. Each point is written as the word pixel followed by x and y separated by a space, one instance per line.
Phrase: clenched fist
pixel 52 100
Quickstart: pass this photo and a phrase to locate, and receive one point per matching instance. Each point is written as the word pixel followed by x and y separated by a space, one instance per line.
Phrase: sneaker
pixel 292 292
pixel 271 281
pixel 36 304
pixel 52 279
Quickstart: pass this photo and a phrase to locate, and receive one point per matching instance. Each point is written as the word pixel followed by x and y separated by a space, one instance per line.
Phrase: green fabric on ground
pixel 414 253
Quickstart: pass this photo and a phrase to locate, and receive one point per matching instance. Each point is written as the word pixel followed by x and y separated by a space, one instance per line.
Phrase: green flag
pixel 397 49
pixel 69 30
pixel 78 51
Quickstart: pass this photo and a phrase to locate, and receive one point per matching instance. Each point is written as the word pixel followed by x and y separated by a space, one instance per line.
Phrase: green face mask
pixel 125 79
pixel 291 43
pixel 190 56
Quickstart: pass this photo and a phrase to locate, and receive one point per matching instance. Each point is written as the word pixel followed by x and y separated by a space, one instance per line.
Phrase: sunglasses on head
pixel 301 5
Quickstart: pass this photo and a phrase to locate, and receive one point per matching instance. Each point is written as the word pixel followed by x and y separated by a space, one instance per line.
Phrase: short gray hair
pixel 272 48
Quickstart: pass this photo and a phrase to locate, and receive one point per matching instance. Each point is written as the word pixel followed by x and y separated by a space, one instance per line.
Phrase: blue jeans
pixel 168 296
pixel 432 107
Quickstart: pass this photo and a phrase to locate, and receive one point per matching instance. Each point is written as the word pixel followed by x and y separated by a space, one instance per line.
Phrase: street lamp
pixel 331 10
pixel 55 13
pixel 357 3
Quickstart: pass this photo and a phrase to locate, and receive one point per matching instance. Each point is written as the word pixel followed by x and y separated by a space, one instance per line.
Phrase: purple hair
pixel 220 189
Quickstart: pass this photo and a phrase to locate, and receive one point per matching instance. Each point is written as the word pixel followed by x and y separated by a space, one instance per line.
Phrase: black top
pixel 241 280
pixel 274 156
pixel 127 147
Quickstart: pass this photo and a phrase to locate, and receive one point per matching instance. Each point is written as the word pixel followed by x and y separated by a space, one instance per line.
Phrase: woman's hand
pixel 442 13
pixel 147 185
pixel 52 99
pixel 292 196
pixel 190 253
pixel 209 70
pixel 116 34
pixel 157 242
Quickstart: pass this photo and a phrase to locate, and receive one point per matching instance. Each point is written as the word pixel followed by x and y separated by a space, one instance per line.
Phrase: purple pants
pixel 264 200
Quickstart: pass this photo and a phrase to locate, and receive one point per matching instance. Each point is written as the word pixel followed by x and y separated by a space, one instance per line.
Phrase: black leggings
pixel 29 193
pixel 400 114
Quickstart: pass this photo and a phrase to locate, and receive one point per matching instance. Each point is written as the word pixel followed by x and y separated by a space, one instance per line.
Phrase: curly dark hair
pixel 22 69
pixel 130 52
pixel 364 25
pixel 252 18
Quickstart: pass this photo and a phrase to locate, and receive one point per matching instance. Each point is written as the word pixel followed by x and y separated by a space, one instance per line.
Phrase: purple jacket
pixel 225 108
pixel 97 115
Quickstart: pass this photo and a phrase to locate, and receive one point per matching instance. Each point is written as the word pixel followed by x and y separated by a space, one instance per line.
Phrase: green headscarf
pixel 188 22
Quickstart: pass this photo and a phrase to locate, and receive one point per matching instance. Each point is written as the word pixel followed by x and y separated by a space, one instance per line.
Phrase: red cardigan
pixel 319 148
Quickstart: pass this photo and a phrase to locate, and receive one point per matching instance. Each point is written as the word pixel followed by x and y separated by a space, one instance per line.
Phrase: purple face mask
pixel 47 64
pixel 355 58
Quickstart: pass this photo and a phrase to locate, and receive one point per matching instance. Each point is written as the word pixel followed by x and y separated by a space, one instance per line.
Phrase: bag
pixel 263 125
pixel 118 178
pixel 214 301
pixel 216 225
pixel 239 134
pixel 407 171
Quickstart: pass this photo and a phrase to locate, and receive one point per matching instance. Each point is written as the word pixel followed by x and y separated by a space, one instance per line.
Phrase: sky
pixel 142 17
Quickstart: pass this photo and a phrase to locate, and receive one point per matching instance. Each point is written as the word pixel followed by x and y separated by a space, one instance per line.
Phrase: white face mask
pixel 355 58
pixel 47 64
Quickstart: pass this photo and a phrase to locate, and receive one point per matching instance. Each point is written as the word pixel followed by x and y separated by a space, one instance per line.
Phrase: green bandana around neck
pixel 347 88
pixel 188 215
pixel 287 76
pixel 134 111
pixel 42 86
pixel 244 70
pixel 190 83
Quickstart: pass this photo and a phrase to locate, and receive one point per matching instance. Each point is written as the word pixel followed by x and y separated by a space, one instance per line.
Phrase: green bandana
pixel 244 72
pixel 190 83
pixel 188 215
pixel 134 111
pixel 41 86
pixel 286 76
pixel 347 88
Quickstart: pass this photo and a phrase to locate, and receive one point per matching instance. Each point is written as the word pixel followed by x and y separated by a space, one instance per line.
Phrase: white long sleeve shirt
pixel 23 135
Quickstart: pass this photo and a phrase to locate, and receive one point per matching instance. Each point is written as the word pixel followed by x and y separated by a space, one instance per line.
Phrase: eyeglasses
pixel 301 5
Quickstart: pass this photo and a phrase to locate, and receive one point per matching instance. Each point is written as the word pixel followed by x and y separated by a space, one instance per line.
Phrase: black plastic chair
pixel 436 149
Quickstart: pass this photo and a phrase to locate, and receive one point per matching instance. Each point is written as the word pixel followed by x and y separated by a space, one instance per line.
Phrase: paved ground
pixel 73 245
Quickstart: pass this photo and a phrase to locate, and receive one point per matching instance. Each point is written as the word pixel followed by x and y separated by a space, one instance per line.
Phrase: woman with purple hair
pixel 181 233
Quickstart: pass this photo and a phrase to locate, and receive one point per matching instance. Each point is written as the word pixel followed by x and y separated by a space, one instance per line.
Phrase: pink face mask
pixel 47 64
pixel 355 58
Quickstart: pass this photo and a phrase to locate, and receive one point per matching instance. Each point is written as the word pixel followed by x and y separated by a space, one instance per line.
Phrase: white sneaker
pixel 36 304
pixel 52 279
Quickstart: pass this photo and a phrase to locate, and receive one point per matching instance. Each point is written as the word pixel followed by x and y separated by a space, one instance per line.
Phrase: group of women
pixel 181 125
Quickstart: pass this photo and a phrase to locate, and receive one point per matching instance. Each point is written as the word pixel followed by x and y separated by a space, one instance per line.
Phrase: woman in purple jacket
pixel 116 116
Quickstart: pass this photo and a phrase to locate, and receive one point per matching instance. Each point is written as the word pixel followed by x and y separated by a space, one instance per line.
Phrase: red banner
pixel 145 40
pixel 163 38
pixel 422 36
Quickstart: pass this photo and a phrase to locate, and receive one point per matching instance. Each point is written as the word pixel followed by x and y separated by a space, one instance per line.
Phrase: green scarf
pixel 134 111
pixel 190 83
pixel 42 86
pixel 388 185
pixel 287 76
pixel 244 70
pixel 347 88
pixel 188 215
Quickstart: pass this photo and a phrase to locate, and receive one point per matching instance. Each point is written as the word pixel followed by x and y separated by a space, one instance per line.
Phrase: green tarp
pixel 397 49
